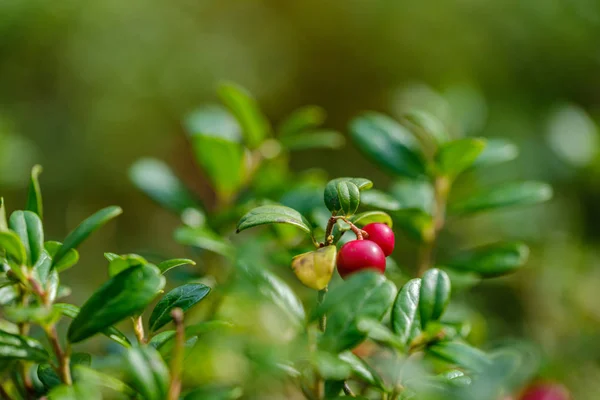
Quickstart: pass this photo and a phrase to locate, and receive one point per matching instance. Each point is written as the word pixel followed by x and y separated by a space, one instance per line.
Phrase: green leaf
pixel 273 214
pixel 434 295
pixel 176 262
pixel 71 311
pixel 343 194
pixel 405 311
pixel 157 181
pixel 203 238
pixel 85 229
pixel 378 332
pixel 254 124
pixel 429 124
pixel 11 244
pixel 34 196
pixel 414 193
pixel 146 372
pixel 507 195
pixel 67 261
pixel 460 354
pixel 458 155
pixel 215 392
pixel 303 118
pixel 17 347
pixel 368 217
pixel 183 297
pixel 28 226
pixel 124 262
pixel 496 151
pixel 365 295
pixel 48 376
pixel 163 341
pixel 417 224
pixel 380 200
pixel 362 370
pixel 330 366
pixel 320 139
pixel 492 260
pixel 3 221
pixel 387 144
pixel 348 196
pixel 101 380
pixel 74 392
pixel 120 297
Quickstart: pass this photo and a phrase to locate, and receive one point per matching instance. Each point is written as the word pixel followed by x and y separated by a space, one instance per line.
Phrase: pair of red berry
pixel 369 253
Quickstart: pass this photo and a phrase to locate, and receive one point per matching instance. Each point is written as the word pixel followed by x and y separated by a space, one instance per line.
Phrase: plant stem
pixel 347 390
pixel 64 369
pixel 138 328
pixel 178 352
pixel 441 188
pixel 323 319
pixel 4 394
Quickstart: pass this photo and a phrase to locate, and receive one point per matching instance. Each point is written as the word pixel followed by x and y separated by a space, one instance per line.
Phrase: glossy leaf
pixel 496 151
pixel 362 370
pixel 273 214
pixel 434 295
pixel 330 366
pixel 120 297
pixel 429 124
pixel 146 372
pixel 203 238
pixel 176 262
pixel 458 155
pixel 157 181
pixel 34 196
pixel 460 354
pixel 28 226
pixel 303 118
pixel 183 297
pixel 405 311
pixel 365 296
pixel 99 379
pixel 11 244
pixel 47 375
pixel 67 261
pixel 71 311
pixel 78 391
pixel 320 139
pixel 17 347
pixel 315 268
pixel 492 260
pixel 343 194
pixel 380 200
pixel 512 194
pixel 254 124
pixel 123 262
pixel 368 217
pixel 387 144
pixel 85 229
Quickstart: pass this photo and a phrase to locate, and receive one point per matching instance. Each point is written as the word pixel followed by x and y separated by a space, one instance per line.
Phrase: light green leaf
pixel 434 295
pixel 157 181
pixel 101 380
pixel 146 372
pixel 460 354
pixel 378 332
pixel 380 200
pixel 183 297
pixel 85 229
pixel 28 226
pixel 496 151
pixel 255 125
pixel 215 392
pixel 123 262
pixel 368 217
pixel 74 392
pixel 417 224
pixel 34 196
pixel 17 347
pixel 429 124
pixel 303 118
pixel 273 214
pixel 319 139
pixel 67 261
pixel 120 297
pixel 414 193
pixel 203 238
pixel 405 311
pixel 507 195
pixel 11 244
pixel 456 156
pixel 362 370
pixel 176 262
pixel 387 144
pixel 330 366
pixel 492 260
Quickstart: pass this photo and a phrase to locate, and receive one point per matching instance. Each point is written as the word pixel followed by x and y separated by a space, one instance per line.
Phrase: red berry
pixel 383 235
pixel 359 255
pixel 545 391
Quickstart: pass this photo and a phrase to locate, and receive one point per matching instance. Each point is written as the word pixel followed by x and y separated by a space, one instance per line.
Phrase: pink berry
pixel 359 255
pixel 383 235
pixel 545 391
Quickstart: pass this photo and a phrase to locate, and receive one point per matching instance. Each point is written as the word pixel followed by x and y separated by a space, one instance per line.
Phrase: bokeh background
pixel 88 87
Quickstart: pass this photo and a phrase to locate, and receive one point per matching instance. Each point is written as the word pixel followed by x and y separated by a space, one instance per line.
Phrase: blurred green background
pixel 86 88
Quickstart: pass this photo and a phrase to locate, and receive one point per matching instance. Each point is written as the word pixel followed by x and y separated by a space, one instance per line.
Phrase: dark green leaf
pixel 320 139
pixel 146 372
pixel 417 224
pixel 34 196
pixel 183 297
pixel 365 296
pixel 125 261
pixel 48 376
pixel 11 244
pixel 254 124
pixel 71 311
pixel 303 118
pixel 362 370
pixel 67 261
pixel 434 295
pixel 348 196
pixel 458 155
pixel 176 262
pixel 512 194
pixel 496 151
pixel 28 226
pixel 343 194
pixel 17 347
pixel 273 214
pixel 380 200
pixel 429 124
pixel 155 179
pixel 492 260
pixel 460 354
pixel 120 297
pixel 387 144
pixel 203 238
pixel 85 229
pixel 405 311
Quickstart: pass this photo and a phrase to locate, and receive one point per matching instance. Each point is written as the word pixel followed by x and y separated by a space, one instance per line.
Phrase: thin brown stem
pixel 178 353
pixel 64 369
pixel 138 328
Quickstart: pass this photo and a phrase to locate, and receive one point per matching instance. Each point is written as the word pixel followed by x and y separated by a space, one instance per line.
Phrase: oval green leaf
pixel 320 139
pixel 146 372
pixel 301 119
pixel 273 214
pixel 492 260
pixel 183 297
pixel 34 195
pixel 496 151
pixel 17 347
pixel 203 238
pixel 405 311
pixel 460 354
pixel 67 261
pixel 176 262
pixel 456 156
pixel 28 226
pixel 11 244
pixel 380 200
pixel 434 295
